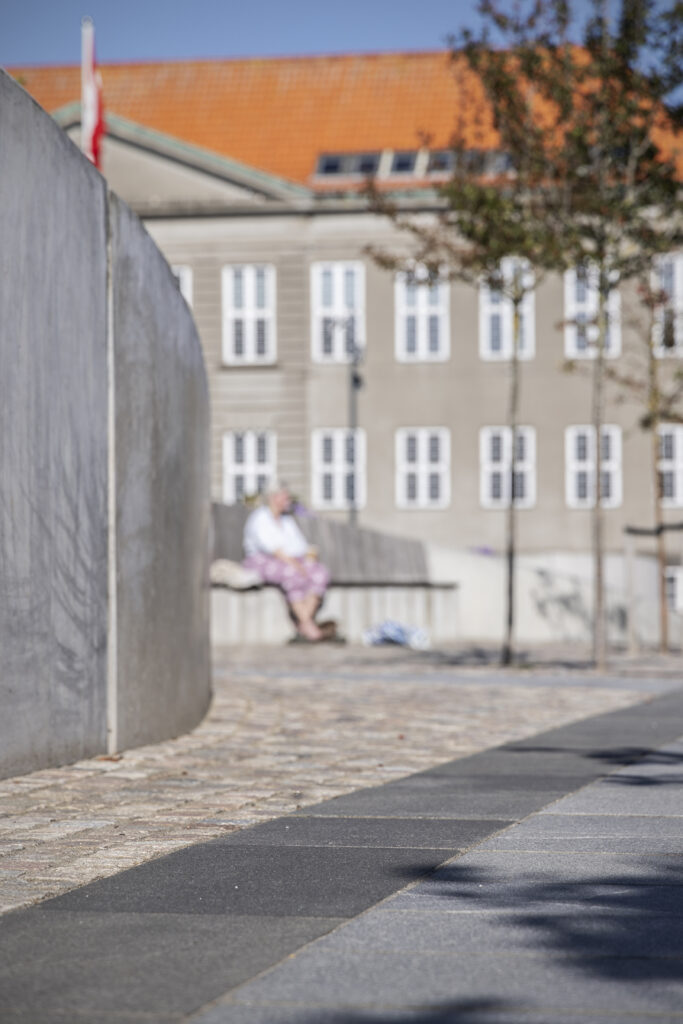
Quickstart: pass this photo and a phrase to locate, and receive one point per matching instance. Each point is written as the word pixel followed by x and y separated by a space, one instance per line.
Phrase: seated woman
pixel 277 550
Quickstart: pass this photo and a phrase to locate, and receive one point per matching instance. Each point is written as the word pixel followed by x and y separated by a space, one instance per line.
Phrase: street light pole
pixel 355 384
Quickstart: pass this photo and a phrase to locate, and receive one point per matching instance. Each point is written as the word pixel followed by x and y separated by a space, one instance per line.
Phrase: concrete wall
pixel 554 597
pixel 104 511
pixel 260 616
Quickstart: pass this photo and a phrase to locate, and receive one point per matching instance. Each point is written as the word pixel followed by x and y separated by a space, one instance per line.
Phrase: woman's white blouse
pixel 265 534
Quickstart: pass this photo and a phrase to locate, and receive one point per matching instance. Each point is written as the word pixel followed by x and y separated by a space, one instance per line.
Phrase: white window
pixel 668 326
pixel 674 587
pixel 422 322
pixel 581 313
pixel 495 455
pixel 496 318
pixel 338 467
pixel 580 467
pixel 249 315
pixel 337 310
pixel 670 465
pixel 423 457
pixel 249 463
pixel 183 275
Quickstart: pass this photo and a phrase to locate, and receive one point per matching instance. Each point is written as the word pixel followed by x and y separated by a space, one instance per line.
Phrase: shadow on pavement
pixel 616 757
pixel 462 1011
pixel 613 926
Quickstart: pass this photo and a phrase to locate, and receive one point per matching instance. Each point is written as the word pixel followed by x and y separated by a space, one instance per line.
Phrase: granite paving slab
pixel 516 981
pixel 421 802
pixel 222 878
pixel 507 931
pixel 158 966
pixel 412 833
pixel 457 1011
pixel 555 832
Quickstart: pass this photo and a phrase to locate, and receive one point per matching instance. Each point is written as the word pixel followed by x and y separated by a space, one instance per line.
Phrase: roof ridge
pixel 254 59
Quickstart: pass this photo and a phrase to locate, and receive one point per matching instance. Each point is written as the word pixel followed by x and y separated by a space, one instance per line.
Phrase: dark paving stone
pixel 421 802
pixel 447 834
pixel 508 764
pixel 88 965
pixel 219 878
pixel 490 782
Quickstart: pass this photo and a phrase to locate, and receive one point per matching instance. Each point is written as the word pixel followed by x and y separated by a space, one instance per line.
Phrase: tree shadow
pixel 459 1011
pixel 616 757
pixel 613 925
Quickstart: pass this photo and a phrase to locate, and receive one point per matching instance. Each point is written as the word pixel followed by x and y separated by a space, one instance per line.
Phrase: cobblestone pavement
pixel 288 727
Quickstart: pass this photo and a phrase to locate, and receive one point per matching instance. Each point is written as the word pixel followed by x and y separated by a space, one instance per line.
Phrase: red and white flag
pixel 92 120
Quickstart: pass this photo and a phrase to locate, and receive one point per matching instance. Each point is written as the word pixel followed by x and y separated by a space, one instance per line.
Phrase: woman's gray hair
pixel 276 487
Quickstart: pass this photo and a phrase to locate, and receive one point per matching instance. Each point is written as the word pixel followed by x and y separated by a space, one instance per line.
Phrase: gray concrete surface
pixel 565 909
pixel 162 488
pixel 53 447
pixel 80 450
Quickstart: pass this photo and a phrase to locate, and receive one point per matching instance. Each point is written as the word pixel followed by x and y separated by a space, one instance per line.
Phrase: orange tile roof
pixel 278 114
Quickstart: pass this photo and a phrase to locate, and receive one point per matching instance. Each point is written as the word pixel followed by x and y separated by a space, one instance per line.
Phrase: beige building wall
pixel 464 393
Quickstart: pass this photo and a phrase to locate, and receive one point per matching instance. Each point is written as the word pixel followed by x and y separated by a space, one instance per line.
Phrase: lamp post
pixel 355 354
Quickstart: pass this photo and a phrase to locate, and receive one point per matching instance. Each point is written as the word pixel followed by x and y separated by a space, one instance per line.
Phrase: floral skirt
pixel 297 581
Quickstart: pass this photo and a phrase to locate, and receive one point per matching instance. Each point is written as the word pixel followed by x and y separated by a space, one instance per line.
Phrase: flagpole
pixel 87 46
pixel 92 124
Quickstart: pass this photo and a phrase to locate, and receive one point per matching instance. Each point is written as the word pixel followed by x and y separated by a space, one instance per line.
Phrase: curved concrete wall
pixel 104 477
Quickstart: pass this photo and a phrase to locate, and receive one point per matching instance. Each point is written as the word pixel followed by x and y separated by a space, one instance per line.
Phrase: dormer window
pixel 347 164
pixel 367 163
pixel 441 161
pixel 330 165
pixel 490 162
pixel 403 162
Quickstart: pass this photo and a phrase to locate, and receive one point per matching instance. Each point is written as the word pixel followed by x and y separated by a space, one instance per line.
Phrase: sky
pixel 48 31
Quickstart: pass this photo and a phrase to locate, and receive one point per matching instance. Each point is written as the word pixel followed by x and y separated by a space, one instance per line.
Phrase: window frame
pixel 339 469
pixel 673 465
pixel 250 314
pixel 423 310
pixel 488 466
pixel 339 310
pixel 674 587
pixel 423 468
pixel 252 467
pixel 574 465
pixel 676 304
pixel 573 308
pixel 504 307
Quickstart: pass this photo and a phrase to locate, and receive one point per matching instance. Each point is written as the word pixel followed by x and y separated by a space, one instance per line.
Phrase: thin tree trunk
pixel 654 402
pixel 599 624
pixel 511 516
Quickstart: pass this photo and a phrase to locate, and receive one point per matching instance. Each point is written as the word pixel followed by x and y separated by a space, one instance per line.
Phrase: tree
pixel 490 231
pixel 596 130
